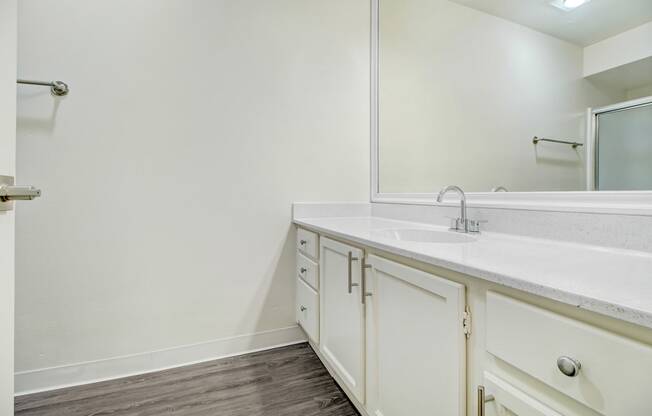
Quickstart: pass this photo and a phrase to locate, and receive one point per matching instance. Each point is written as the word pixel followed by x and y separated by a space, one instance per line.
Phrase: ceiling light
pixel 571 4
pixel 568 4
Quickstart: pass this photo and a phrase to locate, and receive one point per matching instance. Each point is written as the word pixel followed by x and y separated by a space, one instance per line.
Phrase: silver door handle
pixel 18 193
pixel 10 192
pixel 482 399
pixel 350 259
pixel 364 293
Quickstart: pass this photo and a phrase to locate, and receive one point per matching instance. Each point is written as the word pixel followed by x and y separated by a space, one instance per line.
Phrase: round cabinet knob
pixel 303 242
pixel 568 366
pixel 303 270
pixel 303 308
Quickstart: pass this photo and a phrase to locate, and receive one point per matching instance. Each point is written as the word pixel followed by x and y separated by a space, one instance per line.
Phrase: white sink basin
pixel 425 236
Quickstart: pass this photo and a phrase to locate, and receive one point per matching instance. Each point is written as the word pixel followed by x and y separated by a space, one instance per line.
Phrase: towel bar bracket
pixel 58 88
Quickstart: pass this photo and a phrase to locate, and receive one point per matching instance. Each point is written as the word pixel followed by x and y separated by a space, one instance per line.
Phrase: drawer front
pixel 308 270
pixel 507 400
pixel 615 372
pixel 308 310
pixel 308 243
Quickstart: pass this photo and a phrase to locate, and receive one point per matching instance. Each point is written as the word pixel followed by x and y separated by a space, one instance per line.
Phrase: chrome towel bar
pixel 536 140
pixel 58 88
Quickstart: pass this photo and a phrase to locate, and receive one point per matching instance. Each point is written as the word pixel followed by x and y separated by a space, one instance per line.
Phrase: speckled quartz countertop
pixel 613 282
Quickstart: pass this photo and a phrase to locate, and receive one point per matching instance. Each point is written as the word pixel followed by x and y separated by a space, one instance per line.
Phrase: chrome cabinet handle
pixel 10 193
pixel 303 308
pixel 18 193
pixel 482 399
pixel 568 366
pixel 363 292
pixel 350 259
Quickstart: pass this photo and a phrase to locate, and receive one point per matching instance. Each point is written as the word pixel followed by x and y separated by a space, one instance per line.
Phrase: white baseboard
pixel 52 378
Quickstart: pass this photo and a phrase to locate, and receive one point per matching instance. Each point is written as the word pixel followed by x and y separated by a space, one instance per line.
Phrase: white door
pixel 7 158
pixel 342 313
pixel 416 346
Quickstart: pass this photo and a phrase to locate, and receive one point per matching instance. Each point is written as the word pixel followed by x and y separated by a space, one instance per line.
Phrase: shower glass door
pixel 623 149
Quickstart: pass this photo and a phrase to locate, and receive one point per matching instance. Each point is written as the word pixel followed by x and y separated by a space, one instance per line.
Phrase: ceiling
pixel 588 24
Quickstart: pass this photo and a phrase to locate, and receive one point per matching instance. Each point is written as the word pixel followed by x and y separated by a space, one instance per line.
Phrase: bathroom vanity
pixel 410 317
pixel 547 310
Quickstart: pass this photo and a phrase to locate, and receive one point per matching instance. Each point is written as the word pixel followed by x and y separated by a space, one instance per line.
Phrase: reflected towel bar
pixel 58 88
pixel 536 140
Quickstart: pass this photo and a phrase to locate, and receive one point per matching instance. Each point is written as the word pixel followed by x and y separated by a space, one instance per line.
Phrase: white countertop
pixel 613 282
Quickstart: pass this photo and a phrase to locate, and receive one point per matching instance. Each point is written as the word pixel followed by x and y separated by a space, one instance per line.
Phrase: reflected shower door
pixel 624 149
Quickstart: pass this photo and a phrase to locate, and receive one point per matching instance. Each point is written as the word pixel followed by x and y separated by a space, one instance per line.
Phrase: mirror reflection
pixel 517 95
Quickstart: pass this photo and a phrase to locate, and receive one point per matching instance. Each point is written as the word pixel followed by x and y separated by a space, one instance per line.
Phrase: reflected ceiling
pixel 588 24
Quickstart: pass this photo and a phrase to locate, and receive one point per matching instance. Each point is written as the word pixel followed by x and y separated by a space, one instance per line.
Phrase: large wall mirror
pixel 512 95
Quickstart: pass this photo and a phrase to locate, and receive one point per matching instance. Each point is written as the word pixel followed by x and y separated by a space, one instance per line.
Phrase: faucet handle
pixel 474 225
pixel 457 224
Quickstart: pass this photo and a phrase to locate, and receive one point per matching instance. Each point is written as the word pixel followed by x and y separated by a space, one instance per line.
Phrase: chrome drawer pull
pixel 568 366
pixel 364 294
pixel 482 399
pixel 351 284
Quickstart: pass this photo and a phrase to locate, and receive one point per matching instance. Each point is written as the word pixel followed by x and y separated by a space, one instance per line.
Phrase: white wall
pixel 623 61
pixel 640 92
pixel 624 48
pixel 7 164
pixel 169 170
pixel 463 92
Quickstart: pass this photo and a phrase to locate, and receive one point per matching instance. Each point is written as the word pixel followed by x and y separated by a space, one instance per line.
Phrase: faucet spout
pixel 451 188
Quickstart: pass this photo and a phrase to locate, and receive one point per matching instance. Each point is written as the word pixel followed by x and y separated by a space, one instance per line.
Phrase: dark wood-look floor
pixel 284 381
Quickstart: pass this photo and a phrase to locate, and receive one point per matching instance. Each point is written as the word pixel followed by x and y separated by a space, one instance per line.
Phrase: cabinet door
pixel 416 346
pixel 503 399
pixel 342 313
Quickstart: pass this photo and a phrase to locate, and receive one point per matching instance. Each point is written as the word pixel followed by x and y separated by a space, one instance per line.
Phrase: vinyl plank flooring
pixel 287 381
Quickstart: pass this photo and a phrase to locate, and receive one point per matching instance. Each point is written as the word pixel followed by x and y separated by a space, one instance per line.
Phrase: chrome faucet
pixel 499 189
pixel 461 224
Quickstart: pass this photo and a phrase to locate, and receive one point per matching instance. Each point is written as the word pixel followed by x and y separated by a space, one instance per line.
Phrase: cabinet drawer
pixel 508 400
pixel 308 310
pixel 308 270
pixel 307 242
pixel 614 374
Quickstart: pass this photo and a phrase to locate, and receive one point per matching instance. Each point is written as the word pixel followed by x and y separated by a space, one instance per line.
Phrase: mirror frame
pixel 612 202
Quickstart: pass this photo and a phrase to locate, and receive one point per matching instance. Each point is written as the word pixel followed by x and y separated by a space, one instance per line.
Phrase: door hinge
pixel 466 322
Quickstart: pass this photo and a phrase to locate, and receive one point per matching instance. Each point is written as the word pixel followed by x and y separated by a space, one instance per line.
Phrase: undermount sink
pixel 425 236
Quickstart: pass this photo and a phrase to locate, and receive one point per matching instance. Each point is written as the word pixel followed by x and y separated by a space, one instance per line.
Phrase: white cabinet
pixel 308 243
pixel 416 346
pixel 308 270
pixel 308 310
pixel 307 298
pixel 610 374
pixel 503 399
pixel 402 350
pixel 342 313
